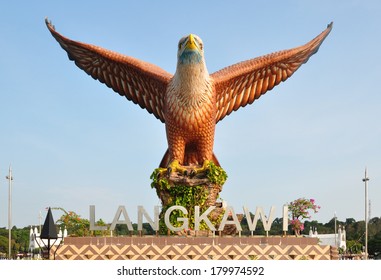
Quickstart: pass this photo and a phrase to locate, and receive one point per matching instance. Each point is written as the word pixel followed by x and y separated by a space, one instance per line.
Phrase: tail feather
pixel 165 160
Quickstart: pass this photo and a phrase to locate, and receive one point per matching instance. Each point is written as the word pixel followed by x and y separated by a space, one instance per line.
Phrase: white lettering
pixel 229 212
pixel 168 213
pixel 92 220
pixel 259 214
pixel 142 212
pixel 229 218
pixel 121 210
pixel 285 217
pixel 203 217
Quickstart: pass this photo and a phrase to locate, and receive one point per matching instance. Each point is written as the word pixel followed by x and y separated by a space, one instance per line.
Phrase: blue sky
pixel 72 142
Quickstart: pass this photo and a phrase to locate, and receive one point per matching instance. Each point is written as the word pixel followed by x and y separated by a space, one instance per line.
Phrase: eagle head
pixel 191 50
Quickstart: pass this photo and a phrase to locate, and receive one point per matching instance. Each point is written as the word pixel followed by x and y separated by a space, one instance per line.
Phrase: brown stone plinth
pixel 193 248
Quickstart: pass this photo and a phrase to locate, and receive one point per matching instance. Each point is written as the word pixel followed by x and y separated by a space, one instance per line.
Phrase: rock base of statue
pixel 188 190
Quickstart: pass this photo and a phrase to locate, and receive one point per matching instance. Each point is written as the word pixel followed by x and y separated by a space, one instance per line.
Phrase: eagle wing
pixel 141 82
pixel 242 83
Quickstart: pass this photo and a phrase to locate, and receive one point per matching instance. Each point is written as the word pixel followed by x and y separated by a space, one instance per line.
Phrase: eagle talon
pixel 169 171
pixel 192 173
pixel 203 168
pixel 175 166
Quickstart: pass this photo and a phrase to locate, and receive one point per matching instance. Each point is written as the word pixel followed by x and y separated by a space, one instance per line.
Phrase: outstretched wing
pixel 242 83
pixel 141 82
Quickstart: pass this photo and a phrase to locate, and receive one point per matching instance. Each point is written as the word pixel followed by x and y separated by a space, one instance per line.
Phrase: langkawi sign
pixel 198 218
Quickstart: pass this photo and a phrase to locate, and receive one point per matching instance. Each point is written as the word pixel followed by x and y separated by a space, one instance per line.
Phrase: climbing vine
pixel 216 174
pixel 186 196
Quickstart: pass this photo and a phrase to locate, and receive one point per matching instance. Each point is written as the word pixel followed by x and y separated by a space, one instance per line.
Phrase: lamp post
pixel 9 178
pixel 49 233
pixel 365 180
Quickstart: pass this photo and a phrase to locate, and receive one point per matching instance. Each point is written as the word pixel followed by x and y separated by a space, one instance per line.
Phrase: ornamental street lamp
pixel 49 234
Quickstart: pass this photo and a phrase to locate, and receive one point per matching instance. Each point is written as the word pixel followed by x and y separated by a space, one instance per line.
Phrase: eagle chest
pixel 190 111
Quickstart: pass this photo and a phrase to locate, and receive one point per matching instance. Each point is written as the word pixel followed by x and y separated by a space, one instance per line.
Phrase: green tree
pixel 354 247
pixel 350 221
pixel 374 245
pixel 3 244
pixel 75 225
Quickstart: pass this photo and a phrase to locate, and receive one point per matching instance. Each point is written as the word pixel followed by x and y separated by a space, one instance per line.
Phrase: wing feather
pixel 140 82
pixel 242 83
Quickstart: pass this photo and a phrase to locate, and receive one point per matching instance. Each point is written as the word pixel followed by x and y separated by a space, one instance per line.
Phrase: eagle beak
pixel 191 44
